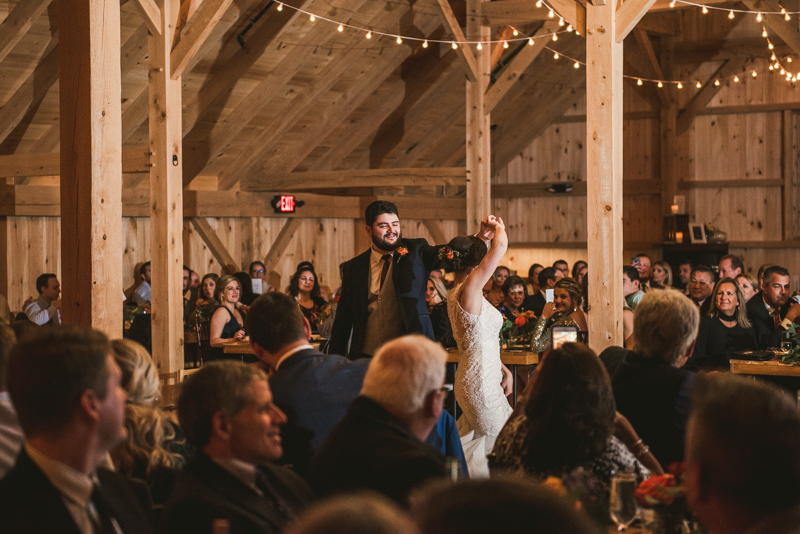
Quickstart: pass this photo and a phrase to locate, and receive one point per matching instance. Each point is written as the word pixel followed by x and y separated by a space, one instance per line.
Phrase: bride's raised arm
pixel 472 294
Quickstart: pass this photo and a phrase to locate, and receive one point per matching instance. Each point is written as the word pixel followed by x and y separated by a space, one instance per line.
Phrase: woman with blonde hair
pixel 227 323
pixel 155 449
pixel 662 276
pixel 563 311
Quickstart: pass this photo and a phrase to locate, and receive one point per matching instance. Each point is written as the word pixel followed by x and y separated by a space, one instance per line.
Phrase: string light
pixel 569 27
pixel 759 17
pixel 755 74
pixel 425 43
pixel 561 21
pixel 538 3
pixel 369 35
pixel 577 65
pixel 639 81
pixel 551 14
pixel 479 47
pixel 705 10
pixel 515 32
pixel 280 7
pixel 530 41
pixel 340 28
pixel 731 15
pixel 505 44
pixel 736 79
pixel 660 84
pixel 454 45
pixel 399 40
pixel 764 33
pixel 555 37
pixel 312 18
pixel 680 85
pixel 555 56
pixel 699 85
pixel 716 83
pixel 672 4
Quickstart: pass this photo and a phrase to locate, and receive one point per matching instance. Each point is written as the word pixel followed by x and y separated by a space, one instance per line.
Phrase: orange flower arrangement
pixel 520 321
pixel 658 489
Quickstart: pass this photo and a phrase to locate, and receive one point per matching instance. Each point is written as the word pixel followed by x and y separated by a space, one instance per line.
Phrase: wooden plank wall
pixel 33 247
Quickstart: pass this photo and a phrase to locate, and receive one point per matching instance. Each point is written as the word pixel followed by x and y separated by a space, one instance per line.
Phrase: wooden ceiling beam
pixel 185 12
pixel 357 178
pixel 49 164
pixel 708 91
pixel 424 144
pixel 195 34
pixel 787 31
pixel 628 16
pixel 31 92
pixel 499 48
pixel 513 12
pixel 573 12
pixel 464 52
pixel 18 22
pixel 151 14
pixel 517 66
pixel 665 94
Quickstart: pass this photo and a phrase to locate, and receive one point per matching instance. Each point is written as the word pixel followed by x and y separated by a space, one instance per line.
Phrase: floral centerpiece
pixel 205 309
pixel 792 355
pixel 666 496
pixel 583 491
pixel 518 331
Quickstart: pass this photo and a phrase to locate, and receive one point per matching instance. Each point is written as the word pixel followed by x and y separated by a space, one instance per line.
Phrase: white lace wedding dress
pixel 479 376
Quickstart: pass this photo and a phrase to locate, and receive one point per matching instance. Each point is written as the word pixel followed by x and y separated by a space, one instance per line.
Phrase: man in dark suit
pixel 701 287
pixel 383 289
pixel 547 280
pixel 770 311
pixel 379 445
pixel 226 411
pixel 66 389
pixel 650 387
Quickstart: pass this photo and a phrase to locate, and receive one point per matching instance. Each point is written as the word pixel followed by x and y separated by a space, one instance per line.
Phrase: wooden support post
pixel 604 175
pixel 479 162
pixel 91 164
pixel 669 121
pixel 166 197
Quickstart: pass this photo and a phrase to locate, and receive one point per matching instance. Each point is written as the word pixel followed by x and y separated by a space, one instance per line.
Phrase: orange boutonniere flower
pixel 520 321
pixel 402 251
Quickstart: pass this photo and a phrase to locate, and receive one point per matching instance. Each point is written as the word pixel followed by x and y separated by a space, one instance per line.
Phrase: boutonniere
pixel 402 251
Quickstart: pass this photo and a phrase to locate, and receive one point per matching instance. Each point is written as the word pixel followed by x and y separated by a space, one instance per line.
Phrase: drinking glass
pixel 622 504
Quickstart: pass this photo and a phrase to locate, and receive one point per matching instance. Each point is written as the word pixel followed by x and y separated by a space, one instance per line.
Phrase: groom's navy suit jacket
pixel 410 274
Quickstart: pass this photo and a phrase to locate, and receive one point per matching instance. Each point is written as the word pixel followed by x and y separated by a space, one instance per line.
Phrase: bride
pixel 476 328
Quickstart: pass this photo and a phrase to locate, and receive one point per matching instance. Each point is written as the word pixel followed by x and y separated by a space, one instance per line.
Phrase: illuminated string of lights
pixel 775 63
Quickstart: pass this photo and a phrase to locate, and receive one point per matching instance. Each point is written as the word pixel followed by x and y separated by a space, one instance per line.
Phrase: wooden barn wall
pixel 33 247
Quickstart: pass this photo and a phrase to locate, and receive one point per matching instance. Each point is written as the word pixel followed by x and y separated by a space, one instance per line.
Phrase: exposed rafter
pixel 18 22
pixel 196 33
pixel 464 53
pixel 704 96
pixel 151 14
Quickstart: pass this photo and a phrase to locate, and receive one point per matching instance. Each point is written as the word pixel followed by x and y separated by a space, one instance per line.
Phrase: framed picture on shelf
pixel 697 233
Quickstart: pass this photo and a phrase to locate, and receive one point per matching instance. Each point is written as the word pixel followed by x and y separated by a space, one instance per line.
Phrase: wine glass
pixel 622 504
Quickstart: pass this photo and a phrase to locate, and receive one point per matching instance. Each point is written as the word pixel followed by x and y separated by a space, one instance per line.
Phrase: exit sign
pixel 286 203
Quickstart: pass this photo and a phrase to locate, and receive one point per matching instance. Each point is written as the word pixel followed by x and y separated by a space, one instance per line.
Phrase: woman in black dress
pixel 227 323
pixel 724 330
pixel 304 287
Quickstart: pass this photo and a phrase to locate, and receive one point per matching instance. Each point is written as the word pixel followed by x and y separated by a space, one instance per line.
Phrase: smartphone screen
pixel 563 334
pixel 549 295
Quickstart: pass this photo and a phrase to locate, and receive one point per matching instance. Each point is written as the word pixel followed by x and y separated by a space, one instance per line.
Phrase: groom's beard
pixel 381 244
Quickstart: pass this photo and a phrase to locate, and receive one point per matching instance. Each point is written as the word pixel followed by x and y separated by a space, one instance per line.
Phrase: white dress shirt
pixel 40 311
pixel 290 352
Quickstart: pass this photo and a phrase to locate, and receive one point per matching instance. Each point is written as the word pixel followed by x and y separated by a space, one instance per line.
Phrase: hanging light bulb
pixel 764 34
pixel 569 27
pixel 716 82
pixel 551 14
pixel 773 58
pixel 340 28
pixel 577 32
pixel 705 10
pixel 672 4
pixel 577 65
pixel 699 85
pixel 530 41
pixel 312 18
pixel 788 59
pixel 770 46
pixel 561 21
pixel 639 82
pixel 660 84
pixel 555 37
pixel 505 44
pixel 680 85
pixel 479 47
pixel 736 79
pixel 399 40
pixel 731 15
pixel 771 67
pixel 783 71
pixel 280 6
pixel 776 65
pixel 515 32
pixel 555 56
pixel 425 43
pixel 538 3
pixel 454 45
pixel 755 74
pixel 369 34
pixel 759 18
pixel 787 17
pixel 794 78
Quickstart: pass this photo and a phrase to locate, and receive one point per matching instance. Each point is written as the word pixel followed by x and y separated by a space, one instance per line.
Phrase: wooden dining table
pixel 772 367
pixel 243 347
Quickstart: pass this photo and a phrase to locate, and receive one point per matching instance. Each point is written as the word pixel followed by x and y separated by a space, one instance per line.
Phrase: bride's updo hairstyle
pixel 461 253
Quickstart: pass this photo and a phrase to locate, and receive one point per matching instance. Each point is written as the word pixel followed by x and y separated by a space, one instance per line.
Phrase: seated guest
pixel 495 296
pixel 582 272
pixel 724 330
pixel 743 458
pixel 208 287
pixel 247 296
pixel 505 505
pixel 304 287
pixel 642 264
pixel 562 267
pixel 361 513
pixel 749 285
pixel 685 275
pixel 66 389
pixel 258 271
pixel 226 411
pixel 379 445
pixel 533 278
pixel 142 294
pixel 761 275
pixel 547 280
pixel 631 287
pixel 568 423
pixel 436 299
pixel 730 266
pixel 227 323
pixel 11 438
pixel 155 448
pixel 700 288
pixel 662 275
pixel 513 297
pixel 577 267
pixel 189 304
pixel 47 308
pixel 650 387
pixel 770 312
pixel 563 311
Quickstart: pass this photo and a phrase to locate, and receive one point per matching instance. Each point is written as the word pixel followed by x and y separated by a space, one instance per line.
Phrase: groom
pixel 383 289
